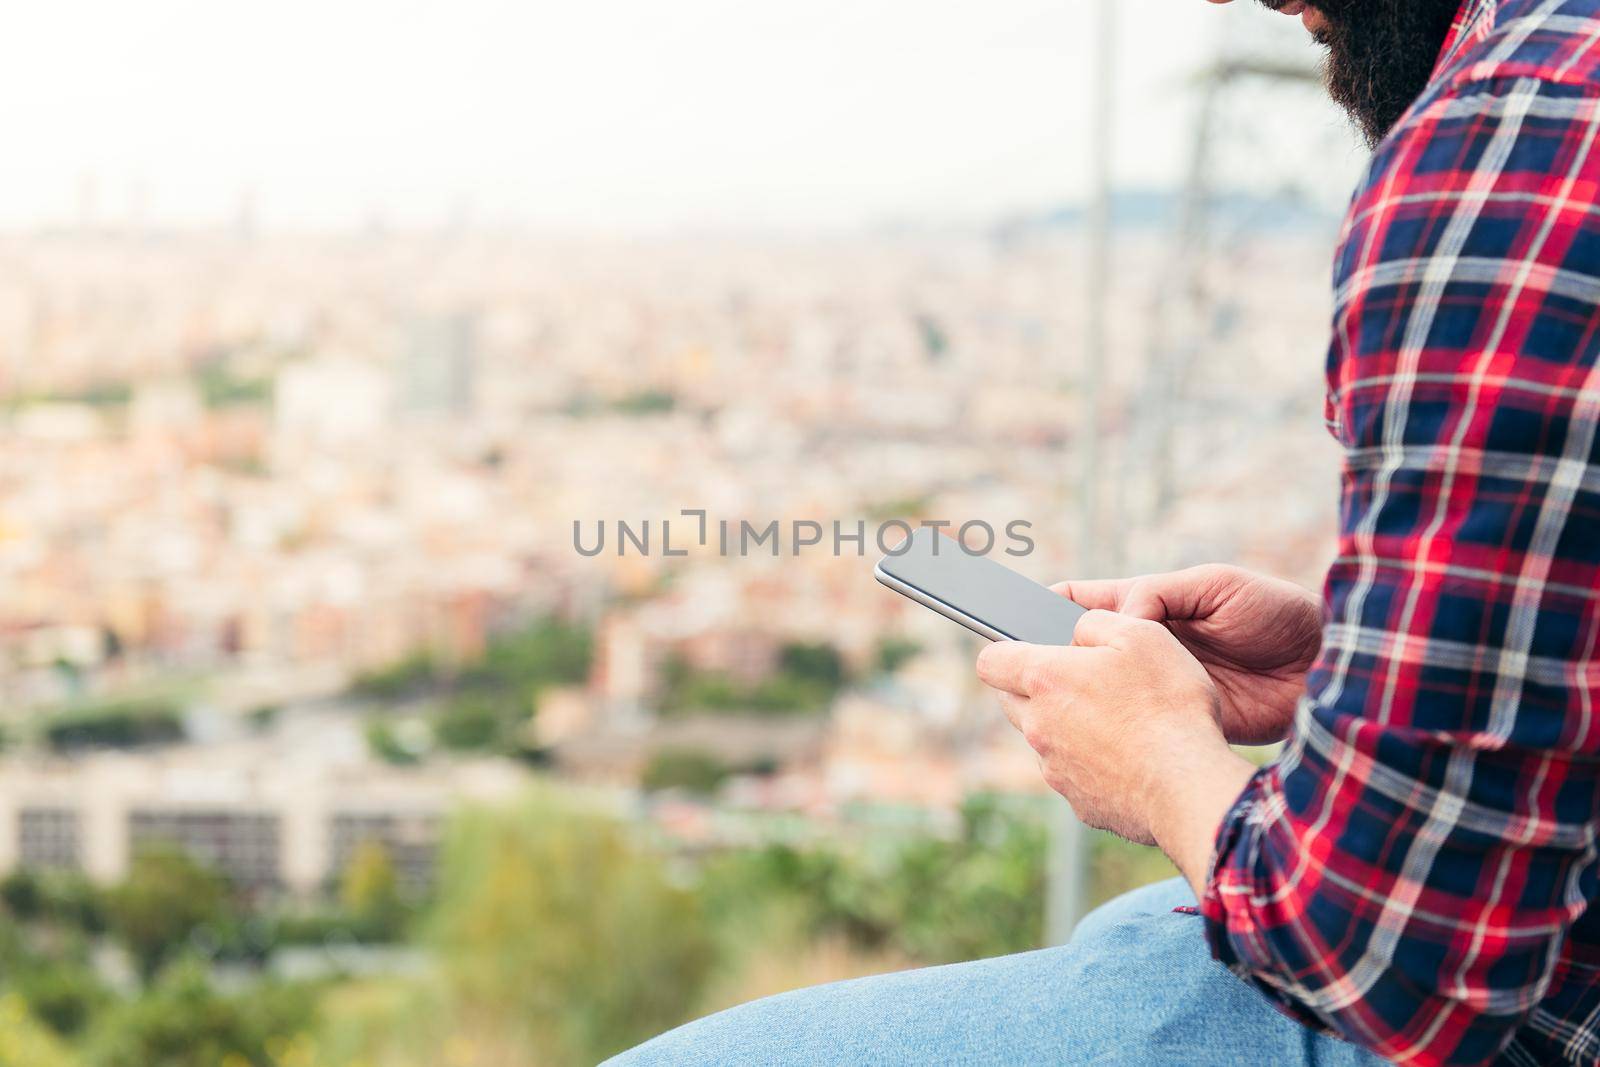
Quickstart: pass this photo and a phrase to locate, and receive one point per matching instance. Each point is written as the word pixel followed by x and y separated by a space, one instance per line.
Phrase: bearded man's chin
pixel 1381 54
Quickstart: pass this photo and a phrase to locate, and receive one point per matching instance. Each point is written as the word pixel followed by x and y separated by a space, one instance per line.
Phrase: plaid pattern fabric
pixel 1414 872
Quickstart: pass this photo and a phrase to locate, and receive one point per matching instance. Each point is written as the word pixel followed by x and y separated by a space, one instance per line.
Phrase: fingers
pixel 1194 593
pixel 1139 597
pixel 1096 593
pixel 1098 629
pixel 1011 667
pixel 1016 709
pixel 1032 670
pixel 1147 599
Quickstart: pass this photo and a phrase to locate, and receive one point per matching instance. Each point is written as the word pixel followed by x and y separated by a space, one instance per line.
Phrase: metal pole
pixel 1067 896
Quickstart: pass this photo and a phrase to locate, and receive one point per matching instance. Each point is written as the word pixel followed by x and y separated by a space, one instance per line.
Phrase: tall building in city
pixel 436 366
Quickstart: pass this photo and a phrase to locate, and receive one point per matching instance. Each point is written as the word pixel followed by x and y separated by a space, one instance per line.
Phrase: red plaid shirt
pixel 1414 873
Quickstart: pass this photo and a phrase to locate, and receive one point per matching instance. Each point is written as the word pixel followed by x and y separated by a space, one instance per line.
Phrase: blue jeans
pixel 1136 985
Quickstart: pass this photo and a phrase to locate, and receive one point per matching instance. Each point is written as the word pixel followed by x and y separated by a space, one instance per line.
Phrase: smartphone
pixel 990 600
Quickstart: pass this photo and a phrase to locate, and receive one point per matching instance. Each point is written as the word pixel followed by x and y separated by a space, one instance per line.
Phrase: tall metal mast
pixel 1183 320
pixel 1183 329
pixel 1069 860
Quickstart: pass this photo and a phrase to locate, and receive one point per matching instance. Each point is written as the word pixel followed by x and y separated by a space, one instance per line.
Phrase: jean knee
pixel 1154 899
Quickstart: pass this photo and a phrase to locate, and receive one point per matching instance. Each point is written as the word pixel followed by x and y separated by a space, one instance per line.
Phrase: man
pixel 1410 879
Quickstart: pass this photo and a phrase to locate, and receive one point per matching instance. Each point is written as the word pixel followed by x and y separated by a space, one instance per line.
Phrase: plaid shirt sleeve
pixel 1406 874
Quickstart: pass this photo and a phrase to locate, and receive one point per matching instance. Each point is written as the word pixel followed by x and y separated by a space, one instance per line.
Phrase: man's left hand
pixel 1125 723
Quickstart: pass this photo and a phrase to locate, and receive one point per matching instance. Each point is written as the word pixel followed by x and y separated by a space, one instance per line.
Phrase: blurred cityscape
pixel 287 525
pixel 246 475
pixel 356 708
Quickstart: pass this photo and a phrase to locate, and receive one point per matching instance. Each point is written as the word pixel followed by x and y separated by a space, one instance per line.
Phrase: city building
pixel 267 825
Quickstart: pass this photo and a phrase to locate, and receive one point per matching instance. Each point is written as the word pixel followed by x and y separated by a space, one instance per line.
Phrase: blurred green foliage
pixel 175 921
pixel 817 664
pixel 369 891
pixel 223 386
pixel 102 394
pixel 932 899
pixel 894 652
pixel 416 675
pixel 475 722
pixel 691 770
pixel 64 994
pixel 50 921
pixel 385 744
pixel 116 724
pixel 567 933
pixel 24 1042
pixel 264 717
pixel 486 704
pixel 166 898
pixel 646 402
pixel 807 679
pixel 1116 866
pixel 902 508
pixel 556 935
pixel 61 899
pixel 550 652
pixel 182 1020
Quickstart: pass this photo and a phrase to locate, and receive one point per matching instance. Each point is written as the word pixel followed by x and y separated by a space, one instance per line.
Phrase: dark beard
pixel 1380 55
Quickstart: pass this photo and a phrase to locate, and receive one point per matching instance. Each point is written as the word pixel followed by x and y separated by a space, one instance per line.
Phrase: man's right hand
pixel 1255 636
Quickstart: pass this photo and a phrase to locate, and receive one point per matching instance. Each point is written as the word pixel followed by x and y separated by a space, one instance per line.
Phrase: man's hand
pixel 1126 726
pixel 1255 636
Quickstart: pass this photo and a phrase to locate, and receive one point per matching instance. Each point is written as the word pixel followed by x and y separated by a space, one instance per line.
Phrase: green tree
pixel 415 675
pixel 558 928
pixel 1116 866
pixel 44 949
pixel 895 652
pixel 384 742
pixel 485 703
pixel 166 897
pixel 74 899
pixel 475 723
pixel 819 664
pixel 808 678
pixel 369 889
pixel 25 1043
pixel 687 769
pixel 222 386
pixel 646 402
pixel 181 1021
pixel 64 995
pixel 788 694
pixel 22 894
pixel 549 652
pixel 116 724
pixel 685 689
pixel 65 899
pixel 990 887
pixel 933 899
pixel 264 717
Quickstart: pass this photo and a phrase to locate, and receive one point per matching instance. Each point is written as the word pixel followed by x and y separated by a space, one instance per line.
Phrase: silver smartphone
pixel 988 599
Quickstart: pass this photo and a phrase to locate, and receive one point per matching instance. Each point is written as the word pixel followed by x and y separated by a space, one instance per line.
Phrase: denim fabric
pixel 1136 985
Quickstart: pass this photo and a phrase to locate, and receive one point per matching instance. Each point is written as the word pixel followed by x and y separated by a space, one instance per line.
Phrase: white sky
pixel 612 113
